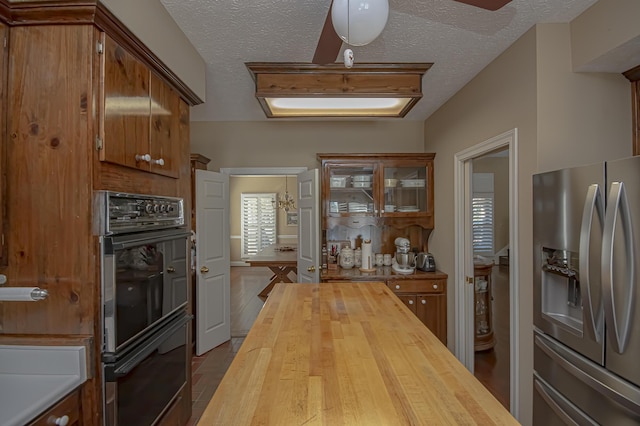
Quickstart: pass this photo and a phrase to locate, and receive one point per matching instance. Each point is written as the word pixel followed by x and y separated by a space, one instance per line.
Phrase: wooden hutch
pixel 382 197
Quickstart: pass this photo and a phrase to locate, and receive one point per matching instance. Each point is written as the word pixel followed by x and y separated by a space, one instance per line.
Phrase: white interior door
pixel 213 302
pixel 469 289
pixel 308 226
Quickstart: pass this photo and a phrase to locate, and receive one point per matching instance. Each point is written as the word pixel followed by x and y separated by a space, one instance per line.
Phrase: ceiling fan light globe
pixel 359 22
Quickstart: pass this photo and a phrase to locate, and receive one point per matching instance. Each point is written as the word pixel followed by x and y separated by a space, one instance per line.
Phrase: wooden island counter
pixel 346 354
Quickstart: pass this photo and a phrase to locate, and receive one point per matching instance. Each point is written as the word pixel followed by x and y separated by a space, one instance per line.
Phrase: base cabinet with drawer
pixel 66 412
pixel 427 299
pixel 424 293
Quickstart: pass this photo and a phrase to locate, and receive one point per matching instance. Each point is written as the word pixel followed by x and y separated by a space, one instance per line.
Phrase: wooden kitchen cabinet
pixel 66 412
pixel 392 193
pixel 63 143
pixel 140 116
pixel 427 299
pixel 198 162
pixel 4 32
pixel 424 293
pixel 374 189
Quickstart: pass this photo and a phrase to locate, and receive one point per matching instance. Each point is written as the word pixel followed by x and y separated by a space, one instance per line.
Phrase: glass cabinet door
pixel 405 190
pixel 351 190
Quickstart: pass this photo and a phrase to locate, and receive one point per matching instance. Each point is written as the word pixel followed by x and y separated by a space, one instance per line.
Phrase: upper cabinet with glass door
pixel 363 189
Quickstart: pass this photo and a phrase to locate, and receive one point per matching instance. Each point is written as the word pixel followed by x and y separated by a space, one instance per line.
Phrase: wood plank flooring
pixel 246 284
pixel 491 367
pixel 208 369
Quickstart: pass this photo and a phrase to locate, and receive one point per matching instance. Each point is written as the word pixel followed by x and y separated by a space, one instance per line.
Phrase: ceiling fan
pixel 330 42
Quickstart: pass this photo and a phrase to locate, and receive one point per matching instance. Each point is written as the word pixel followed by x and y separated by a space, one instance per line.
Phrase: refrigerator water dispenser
pixel 561 297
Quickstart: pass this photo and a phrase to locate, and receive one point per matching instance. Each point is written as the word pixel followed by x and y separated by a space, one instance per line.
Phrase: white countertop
pixel 33 378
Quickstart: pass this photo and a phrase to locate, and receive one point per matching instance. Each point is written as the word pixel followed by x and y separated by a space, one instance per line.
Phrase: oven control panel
pixel 117 212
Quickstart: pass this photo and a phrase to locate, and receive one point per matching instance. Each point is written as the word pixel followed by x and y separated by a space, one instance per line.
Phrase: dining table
pixel 281 259
pixel 347 353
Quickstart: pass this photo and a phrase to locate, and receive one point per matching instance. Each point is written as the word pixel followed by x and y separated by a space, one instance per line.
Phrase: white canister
pixel 346 258
pixel 379 259
pixel 368 261
pixel 387 260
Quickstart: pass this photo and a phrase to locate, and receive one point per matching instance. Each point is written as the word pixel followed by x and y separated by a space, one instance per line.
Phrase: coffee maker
pixel 404 262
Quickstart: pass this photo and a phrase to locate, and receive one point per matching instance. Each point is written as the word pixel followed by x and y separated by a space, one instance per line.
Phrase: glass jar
pixel 357 257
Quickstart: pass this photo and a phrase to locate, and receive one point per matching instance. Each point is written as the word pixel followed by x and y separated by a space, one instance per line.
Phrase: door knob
pixel 171 269
pixel 204 270
pixel 311 269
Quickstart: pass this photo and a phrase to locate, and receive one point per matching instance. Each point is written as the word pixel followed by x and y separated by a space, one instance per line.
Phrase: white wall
pixel 583 118
pixel 295 144
pixel 606 37
pixel 502 97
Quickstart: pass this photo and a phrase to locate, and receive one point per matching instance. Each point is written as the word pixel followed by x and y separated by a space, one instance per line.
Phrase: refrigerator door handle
pixel 593 201
pixel 569 414
pixel 612 388
pixel 619 327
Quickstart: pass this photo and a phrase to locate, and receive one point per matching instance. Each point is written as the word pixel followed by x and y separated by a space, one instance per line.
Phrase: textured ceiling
pixel 459 39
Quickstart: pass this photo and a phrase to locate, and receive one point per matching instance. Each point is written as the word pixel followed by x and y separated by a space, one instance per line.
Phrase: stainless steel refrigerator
pixel 586 230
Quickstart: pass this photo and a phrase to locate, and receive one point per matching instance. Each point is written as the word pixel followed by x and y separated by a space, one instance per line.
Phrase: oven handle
pixel 123 367
pixel 135 240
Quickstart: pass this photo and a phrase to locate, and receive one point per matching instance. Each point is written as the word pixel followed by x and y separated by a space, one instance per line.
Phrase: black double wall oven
pixel 145 266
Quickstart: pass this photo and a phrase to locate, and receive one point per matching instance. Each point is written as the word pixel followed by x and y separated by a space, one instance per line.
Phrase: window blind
pixel 258 222
pixel 482 223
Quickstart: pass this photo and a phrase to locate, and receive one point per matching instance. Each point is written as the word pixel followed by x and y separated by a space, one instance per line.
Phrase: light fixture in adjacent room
pixel 288 90
pixel 286 202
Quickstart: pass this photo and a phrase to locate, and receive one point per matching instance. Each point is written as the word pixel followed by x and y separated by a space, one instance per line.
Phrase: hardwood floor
pixel 246 284
pixel 492 366
pixel 208 369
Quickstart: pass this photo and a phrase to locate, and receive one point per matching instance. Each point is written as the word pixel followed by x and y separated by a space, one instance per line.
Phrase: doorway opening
pixel 486 264
pixel 247 282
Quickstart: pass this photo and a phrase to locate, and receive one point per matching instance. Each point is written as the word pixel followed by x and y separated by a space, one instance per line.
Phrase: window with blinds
pixel 482 222
pixel 258 222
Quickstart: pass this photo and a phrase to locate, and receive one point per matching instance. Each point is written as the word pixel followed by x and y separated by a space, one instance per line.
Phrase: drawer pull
pixel 435 286
pixel 60 421
pixel 397 286
pixel 411 302
pixel 424 302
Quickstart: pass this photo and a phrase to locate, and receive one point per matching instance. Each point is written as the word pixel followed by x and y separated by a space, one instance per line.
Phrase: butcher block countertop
pixel 346 354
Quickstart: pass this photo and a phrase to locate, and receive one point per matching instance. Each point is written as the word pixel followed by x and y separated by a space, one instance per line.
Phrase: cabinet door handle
pixel 159 162
pixel 411 302
pixel 424 302
pixel 397 286
pixel 435 286
pixel 60 421
pixel 143 157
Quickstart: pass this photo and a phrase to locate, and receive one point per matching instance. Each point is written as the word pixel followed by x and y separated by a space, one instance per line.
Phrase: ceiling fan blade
pixel 329 43
pixel 486 4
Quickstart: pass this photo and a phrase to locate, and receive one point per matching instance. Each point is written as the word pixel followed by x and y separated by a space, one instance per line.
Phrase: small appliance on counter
pixel 405 261
pixel 425 262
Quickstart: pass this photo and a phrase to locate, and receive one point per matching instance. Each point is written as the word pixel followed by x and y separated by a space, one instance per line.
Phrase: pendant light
pixel 359 22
